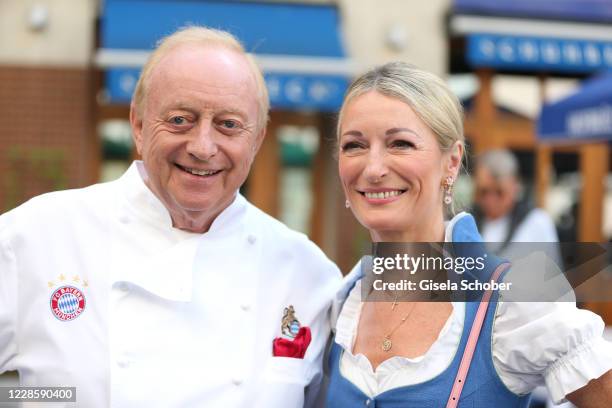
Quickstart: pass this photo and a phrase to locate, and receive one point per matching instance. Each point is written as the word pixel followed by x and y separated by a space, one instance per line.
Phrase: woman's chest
pixel 408 330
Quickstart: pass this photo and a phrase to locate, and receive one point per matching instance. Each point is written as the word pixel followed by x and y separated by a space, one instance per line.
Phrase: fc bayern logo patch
pixel 67 303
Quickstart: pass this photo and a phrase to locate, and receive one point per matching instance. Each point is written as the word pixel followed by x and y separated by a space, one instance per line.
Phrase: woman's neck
pixel 424 231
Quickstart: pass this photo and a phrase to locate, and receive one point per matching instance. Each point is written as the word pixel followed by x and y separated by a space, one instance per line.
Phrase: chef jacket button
pixel 124 219
pixel 245 306
pixel 123 363
pixel 251 239
pixel 237 381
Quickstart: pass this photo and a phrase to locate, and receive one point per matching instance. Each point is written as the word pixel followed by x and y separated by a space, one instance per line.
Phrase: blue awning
pixel 541 54
pixel 554 36
pixel 584 116
pixel 576 10
pixel 299 47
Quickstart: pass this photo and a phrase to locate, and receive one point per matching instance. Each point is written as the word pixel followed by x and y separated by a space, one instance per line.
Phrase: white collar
pixel 178 247
pixel 144 204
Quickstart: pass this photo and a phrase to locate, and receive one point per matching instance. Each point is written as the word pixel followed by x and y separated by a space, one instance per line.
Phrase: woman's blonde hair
pixel 200 36
pixel 428 96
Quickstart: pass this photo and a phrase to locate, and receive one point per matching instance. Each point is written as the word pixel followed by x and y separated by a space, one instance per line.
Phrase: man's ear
pixel 455 156
pixel 136 125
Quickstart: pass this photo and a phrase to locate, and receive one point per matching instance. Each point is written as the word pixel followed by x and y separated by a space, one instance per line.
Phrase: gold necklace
pixel 394 303
pixel 387 343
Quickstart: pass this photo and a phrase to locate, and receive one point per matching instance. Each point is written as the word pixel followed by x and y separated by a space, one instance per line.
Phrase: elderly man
pixel 502 217
pixel 166 287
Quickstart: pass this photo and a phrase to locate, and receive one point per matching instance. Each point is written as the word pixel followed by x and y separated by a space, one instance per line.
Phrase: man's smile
pixel 198 172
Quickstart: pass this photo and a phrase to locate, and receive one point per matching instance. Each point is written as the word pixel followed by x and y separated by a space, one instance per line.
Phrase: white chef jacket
pixel 171 318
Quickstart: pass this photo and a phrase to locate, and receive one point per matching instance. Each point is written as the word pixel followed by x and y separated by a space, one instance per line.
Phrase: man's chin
pixel 202 204
pixel 194 207
pixel 197 205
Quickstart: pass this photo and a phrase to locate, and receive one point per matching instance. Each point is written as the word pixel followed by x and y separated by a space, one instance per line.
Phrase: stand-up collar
pixel 144 204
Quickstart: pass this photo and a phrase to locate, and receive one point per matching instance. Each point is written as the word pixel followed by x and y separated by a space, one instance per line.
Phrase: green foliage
pixel 46 163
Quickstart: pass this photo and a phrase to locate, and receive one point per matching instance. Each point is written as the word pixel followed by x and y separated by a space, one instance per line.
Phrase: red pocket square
pixel 295 348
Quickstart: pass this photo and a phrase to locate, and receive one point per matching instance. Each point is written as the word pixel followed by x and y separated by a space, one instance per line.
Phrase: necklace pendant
pixel 387 344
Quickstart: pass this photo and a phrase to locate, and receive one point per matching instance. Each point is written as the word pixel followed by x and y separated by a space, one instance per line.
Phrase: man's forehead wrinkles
pixel 192 83
pixel 186 74
pixel 199 105
pixel 220 97
pixel 202 86
pixel 198 87
pixel 205 91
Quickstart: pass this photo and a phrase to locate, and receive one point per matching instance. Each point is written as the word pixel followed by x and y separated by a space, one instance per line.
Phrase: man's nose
pixel 203 143
pixel 376 167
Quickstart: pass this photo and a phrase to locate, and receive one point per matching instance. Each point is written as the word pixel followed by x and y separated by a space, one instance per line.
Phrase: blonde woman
pixel 401 145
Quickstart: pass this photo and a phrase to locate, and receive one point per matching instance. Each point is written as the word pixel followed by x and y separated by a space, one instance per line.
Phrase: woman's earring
pixel 347 204
pixel 448 190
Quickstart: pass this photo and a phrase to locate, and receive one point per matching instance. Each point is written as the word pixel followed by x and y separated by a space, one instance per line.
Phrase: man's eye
pixel 178 120
pixel 230 124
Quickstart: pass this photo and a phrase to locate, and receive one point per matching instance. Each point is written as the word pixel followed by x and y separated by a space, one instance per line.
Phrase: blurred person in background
pixel 167 287
pixel 401 144
pixel 503 216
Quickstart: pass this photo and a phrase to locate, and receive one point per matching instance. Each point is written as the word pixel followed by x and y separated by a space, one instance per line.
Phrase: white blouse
pixel 534 343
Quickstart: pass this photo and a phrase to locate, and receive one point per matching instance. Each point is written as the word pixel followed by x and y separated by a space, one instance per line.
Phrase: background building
pixel 47 136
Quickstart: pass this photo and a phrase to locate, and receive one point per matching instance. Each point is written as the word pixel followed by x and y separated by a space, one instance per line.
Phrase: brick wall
pixel 47 137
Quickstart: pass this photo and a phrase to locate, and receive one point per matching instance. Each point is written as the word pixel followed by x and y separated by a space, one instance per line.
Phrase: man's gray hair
pixel 202 37
pixel 501 163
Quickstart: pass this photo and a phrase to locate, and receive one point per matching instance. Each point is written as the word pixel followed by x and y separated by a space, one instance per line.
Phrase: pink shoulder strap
pixel 468 353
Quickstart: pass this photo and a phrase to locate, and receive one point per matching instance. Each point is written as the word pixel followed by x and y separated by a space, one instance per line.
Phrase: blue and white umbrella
pixel 585 115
